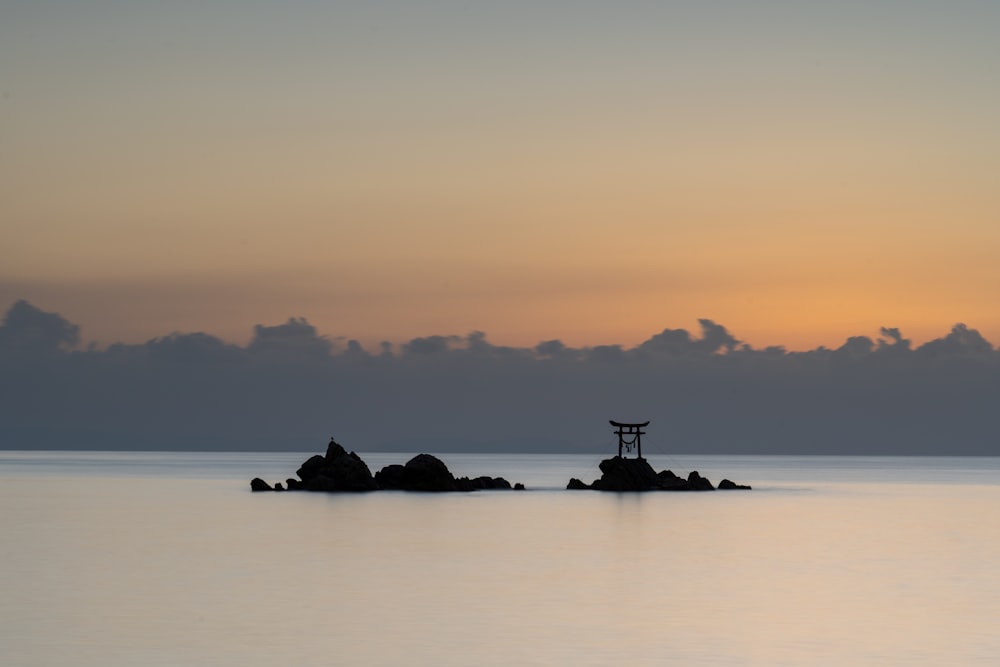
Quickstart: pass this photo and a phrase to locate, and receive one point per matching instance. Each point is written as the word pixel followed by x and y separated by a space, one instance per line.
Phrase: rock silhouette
pixel 343 471
pixel 425 472
pixel 340 471
pixel 257 484
pixel 337 471
pixel 622 474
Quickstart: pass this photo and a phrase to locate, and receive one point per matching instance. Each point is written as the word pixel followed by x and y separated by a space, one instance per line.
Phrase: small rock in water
pixel 257 484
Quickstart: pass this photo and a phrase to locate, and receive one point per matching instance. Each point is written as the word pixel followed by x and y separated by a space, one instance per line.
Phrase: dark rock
pixel 425 472
pixel 621 474
pixel 671 482
pixel 484 483
pixel 337 471
pixel 500 483
pixel 319 483
pixel 257 484
pixel 729 485
pixel 519 487
pixel 699 483
pixel 278 487
pixel 340 470
pixel 576 485
pixel 390 477
pixel 350 473
pixel 311 468
pixel 334 451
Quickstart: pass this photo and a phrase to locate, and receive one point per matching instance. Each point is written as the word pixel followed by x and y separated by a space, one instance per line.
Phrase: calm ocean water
pixel 123 559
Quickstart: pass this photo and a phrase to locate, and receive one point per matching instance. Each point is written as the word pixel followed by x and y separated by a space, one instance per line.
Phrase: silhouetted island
pixel 340 471
pixel 345 472
pixel 624 474
pixel 635 474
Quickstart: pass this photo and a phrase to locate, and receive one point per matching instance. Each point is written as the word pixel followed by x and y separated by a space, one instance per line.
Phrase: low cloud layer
pixel 291 388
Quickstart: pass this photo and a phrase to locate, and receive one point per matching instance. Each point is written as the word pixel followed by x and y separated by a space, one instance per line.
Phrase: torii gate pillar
pixel 629 435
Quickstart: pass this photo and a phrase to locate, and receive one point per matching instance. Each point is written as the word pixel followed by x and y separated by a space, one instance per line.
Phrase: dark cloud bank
pixel 290 389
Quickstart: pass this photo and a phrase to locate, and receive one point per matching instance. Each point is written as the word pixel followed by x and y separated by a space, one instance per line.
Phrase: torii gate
pixel 628 435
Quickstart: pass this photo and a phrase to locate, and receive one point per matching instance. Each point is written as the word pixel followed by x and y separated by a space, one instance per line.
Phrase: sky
pixel 584 171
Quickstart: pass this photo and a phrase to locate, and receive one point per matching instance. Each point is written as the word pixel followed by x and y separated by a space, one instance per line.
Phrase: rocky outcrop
pixel 622 474
pixel 699 483
pixel 390 477
pixel 340 471
pixel 485 483
pixel 421 473
pixel 425 472
pixel 337 471
pixel 257 484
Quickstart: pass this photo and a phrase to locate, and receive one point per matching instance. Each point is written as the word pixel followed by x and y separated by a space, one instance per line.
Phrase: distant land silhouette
pixel 708 393
pixel 340 471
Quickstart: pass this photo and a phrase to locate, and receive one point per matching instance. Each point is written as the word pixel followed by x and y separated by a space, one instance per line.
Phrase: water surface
pixel 167 559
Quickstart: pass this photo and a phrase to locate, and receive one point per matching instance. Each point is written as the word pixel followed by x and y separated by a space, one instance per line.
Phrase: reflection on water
pixel 828 564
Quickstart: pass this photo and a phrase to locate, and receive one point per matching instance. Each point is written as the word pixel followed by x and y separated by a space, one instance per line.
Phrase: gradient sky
pixel 595 172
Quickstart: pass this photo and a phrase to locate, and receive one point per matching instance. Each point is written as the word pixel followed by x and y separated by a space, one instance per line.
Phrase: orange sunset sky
pixel 594 172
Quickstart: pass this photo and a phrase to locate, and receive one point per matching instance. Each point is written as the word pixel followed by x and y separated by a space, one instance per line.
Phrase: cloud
pixel 669 342
pixel 895 343
pixel 31 332
pixel 429 345
pixel 961 342
pixel 291 387
pixel 856 346
pixel 295 337
pixel 714 337
pixel 193 348
pixel 556 350
pixel 679 343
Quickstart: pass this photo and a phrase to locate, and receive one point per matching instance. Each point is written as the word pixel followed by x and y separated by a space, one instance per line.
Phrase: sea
pixel 112 559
